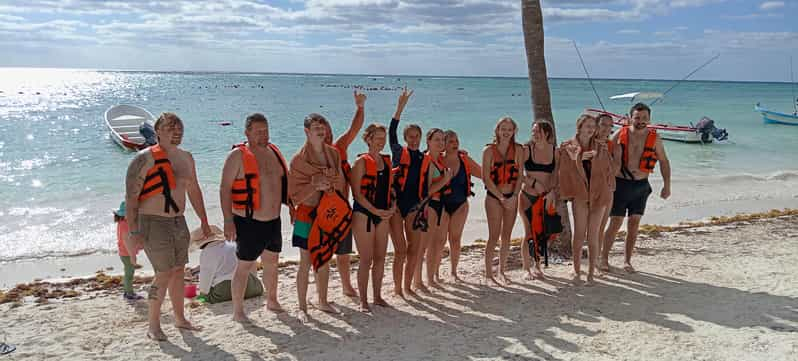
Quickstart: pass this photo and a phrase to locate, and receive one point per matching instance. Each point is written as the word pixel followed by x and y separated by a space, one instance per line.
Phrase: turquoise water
pixel 60 174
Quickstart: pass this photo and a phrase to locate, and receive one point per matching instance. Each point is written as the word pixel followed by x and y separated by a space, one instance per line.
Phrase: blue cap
pixel 121 211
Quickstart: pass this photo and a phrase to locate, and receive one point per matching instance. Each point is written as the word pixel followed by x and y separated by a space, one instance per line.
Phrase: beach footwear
pixel 6 348
pixel 132 297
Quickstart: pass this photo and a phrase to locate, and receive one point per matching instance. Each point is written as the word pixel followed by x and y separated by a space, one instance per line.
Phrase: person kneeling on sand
pixel 218 263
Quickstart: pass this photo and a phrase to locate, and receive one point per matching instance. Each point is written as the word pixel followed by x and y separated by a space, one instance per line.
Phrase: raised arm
pixel 134 181
pixel 664 168
pixel 400 107
pixel 195 197
pixel 349 136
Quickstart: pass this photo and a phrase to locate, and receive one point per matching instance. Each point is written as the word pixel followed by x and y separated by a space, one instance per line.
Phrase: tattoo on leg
pixel 152 293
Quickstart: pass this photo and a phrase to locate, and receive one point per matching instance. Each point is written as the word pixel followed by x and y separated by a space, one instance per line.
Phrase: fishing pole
pixel 794 100
pixel 588 76
pixel 685 78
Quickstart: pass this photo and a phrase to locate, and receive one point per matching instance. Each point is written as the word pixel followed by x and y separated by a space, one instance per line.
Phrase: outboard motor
pixel 706 127
pixel 148 132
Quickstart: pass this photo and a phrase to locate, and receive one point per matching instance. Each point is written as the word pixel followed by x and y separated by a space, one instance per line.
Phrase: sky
pixel 638 39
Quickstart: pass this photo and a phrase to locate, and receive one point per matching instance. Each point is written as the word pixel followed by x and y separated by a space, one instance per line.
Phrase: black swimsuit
pixel 531 166
pixel 381 201
pixel 459 191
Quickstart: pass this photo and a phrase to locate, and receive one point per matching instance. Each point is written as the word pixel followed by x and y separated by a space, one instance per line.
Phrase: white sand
pixel 709 293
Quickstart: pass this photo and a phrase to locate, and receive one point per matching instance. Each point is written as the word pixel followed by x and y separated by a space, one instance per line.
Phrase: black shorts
pixel 254 236
pixel 630 197
pixel 345 247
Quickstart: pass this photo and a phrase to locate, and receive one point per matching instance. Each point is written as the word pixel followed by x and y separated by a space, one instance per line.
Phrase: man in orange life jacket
pixel 641 148
pixel 157 182
pixel 254 185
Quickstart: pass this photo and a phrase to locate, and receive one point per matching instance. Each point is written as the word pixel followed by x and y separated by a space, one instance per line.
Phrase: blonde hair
pixel 499 124
pixel 371 129
pixel 547 128
pixel 582 119
pixel 448 134
pixel 167 118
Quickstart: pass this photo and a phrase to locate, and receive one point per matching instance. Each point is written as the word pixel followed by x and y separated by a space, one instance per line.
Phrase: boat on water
pixel 130 126
pixel 703 132
pixel 769 116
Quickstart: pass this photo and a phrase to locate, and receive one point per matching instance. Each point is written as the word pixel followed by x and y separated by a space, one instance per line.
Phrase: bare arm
pixel 134 181
pixel 349 136
pixel 195 193
pixel 487 160
pixel 519 160
pixel 664 168
pixel 358 170
pixel 437 186
pixel 476 169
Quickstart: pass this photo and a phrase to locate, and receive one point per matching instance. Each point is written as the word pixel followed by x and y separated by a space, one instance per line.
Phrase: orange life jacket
pixel 423 186
pixel 368 184
pixel 246 191
pixel 331 223
pixel 535 214
pixel 649 157
pixel 400 171
pixel 160 179
pixel 463 155
pixel 504 170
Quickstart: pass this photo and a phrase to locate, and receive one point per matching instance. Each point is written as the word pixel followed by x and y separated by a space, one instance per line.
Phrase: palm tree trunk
pixel 532 20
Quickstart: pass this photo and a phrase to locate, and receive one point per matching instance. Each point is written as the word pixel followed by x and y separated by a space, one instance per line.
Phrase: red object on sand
pixel 190 290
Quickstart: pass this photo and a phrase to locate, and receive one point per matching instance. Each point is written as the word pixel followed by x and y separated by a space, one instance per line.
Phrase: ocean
pixel 60 174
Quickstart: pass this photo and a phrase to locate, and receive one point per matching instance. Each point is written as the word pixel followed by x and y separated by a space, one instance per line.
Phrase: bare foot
pixel 604 266
pixel 423 289
pixel 302 316
pixel 576 278
pixel 506 279
pixel 589 280
pixel 325 307
pixel 456 278
pixel 628 268
pixel 242 319
pixel 157 335
pixel 364 307
pixel 185 325
pixel 350 292
pixel 435 284
pixel 495 282
pixel 538 274
pixel 274 306
pixel 410 292
pixel 380 302
pixel 398 292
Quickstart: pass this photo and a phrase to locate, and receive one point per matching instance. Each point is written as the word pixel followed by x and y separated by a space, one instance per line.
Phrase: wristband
pixel 134 233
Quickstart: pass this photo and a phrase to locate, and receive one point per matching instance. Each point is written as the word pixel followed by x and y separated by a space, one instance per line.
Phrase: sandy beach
pixel 712 292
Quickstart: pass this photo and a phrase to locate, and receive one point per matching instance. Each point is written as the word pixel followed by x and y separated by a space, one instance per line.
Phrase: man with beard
pixel 641 148
pixel 157 182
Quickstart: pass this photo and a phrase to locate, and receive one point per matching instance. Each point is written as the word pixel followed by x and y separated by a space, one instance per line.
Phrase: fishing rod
pixel 685 78
pixel 588 76
pixel 794 100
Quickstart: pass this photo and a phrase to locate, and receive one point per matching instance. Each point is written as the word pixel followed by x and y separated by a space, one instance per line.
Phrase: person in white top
pixel 217 266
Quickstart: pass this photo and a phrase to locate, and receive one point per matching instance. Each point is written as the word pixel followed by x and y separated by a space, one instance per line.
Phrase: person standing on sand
pixel 584 172
pixel 342 255
pixel 641 148
pixel 253 187
pixel 539 190
pixel 157 182
pixel 406 172
pixel 373 208
pixel 604 132
pixel 127 253
pixel 455 195
pixel 314 170
pixel 501 161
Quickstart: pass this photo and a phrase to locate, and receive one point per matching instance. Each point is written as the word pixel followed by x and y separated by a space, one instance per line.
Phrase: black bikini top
pixel 531 166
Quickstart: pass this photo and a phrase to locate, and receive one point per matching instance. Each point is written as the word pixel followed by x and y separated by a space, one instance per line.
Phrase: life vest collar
pixel 160 179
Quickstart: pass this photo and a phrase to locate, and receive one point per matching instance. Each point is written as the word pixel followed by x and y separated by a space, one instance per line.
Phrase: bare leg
pixel 424 240
pixel 594 233
pixel 508 221
pixel 632 226
pixel 413 250
pixel 603 228
pixel 342 263
pixel 155 296
pixel 493 209
pixel 456 225
pixel 238 287
pixel 433 241
pixel 364 241
pixel 609 239
pixel 177 293
pixel 378 265
pixel 581 211
pixel 525 257
pixel 270 261
pixel 399 252
pixel 302 276
pixel 322 282
pixel 442 233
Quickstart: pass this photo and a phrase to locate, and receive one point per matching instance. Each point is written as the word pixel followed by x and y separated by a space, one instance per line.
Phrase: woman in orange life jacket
pixel 501 161
pixel 341 145
pixel 455 195
pixel 372 211
pixel 604 132
pixel 406 171
pixel 434 177
pixel 540 182
pixel 585 172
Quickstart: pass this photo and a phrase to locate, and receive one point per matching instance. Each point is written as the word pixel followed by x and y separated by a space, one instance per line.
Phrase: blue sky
pixel 662 39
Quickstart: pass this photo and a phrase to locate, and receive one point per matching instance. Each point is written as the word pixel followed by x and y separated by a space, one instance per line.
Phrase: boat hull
pixel 668 132
pixel 772 117
pixel 123 123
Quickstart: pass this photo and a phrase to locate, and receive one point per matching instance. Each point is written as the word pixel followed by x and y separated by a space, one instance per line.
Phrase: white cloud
pixel 771 5
pixel 628 31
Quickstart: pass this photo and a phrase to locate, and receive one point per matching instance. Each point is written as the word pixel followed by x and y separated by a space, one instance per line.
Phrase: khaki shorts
pixel 166 241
